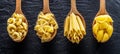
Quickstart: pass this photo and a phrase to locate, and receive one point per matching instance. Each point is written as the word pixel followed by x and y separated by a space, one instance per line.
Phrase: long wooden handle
pixel 18 5
pixel 103 6
pixel 46 6
pixel 73 5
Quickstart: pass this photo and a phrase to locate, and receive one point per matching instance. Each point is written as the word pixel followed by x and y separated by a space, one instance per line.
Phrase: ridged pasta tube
pixel 74 29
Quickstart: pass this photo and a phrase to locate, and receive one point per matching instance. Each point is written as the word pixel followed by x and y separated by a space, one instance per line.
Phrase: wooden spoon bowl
pixel 46 10
pixel 19 11
pixel 75 11
pixel 102 11
pixel 68 25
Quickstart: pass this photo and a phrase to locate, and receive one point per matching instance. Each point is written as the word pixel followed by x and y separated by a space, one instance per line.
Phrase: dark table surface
pixel 59 45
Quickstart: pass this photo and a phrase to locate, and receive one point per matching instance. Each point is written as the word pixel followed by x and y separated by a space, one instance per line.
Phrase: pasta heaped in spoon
pixel 45 26
pixel 17 27
pixel 102 28
pixel 74 29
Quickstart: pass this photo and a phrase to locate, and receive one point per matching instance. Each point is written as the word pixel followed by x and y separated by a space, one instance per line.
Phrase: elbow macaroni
pixel 17 27
pixel 74 29
pixel 103 28
pixel 45 26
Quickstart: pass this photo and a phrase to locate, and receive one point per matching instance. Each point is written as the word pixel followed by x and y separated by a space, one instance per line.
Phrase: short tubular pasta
pixel 16 37
pixel 17 27
pixel 74 29
pixel 11 21
pixel 19 22
pixel 11 27
pixel 24 25
pixel 23 33
pixel 45 26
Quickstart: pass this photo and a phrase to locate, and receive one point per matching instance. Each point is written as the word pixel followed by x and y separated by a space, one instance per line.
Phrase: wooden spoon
pixel 46 10
pixel 18 7
pixel 102 11
pixel 19 11
pixel 75 11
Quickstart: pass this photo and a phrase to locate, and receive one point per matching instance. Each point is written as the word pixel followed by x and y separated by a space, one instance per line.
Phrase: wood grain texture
pixel 60 44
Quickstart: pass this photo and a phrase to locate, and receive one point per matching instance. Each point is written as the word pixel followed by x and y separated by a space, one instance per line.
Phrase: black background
pixel 59 45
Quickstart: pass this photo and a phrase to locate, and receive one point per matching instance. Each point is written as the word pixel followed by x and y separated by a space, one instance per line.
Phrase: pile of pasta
pixel 46 26
pixel 17 27
pixel 74 29
pixel 103 28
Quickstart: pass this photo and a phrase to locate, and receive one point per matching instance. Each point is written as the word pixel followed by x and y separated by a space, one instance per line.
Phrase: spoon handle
pixel 73 5
pixel 18 6
pixel 103 6
pixel 46 6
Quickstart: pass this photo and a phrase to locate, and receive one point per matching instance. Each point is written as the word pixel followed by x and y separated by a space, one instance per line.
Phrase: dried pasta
pixel 17 27
pixel 74 29
pixel 45 26
pixel 103 28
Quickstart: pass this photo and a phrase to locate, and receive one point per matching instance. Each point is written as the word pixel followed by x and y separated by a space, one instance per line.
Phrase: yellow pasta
pixel 18 22
pixel 74 29
pixel 16 37
pixel 103 28
pixel 81 25
pixel 11 21
pixel 23 33
pixel 17 27
pixel 11 28
pixel 45 26
pixel 24 25
pixel 66 26
pixel 95 28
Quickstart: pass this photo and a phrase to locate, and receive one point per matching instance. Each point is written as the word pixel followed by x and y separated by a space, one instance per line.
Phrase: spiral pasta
pixel 17 27
pixel 103 28
pixel 45 26
pixel 74 29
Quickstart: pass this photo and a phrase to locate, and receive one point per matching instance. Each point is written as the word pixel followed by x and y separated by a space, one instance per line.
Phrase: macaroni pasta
pixel 17 27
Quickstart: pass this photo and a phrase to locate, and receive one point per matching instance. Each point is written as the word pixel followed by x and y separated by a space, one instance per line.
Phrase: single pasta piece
pixel 17 27
pixel 102 28
pixel 45 26
pixel 74 29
